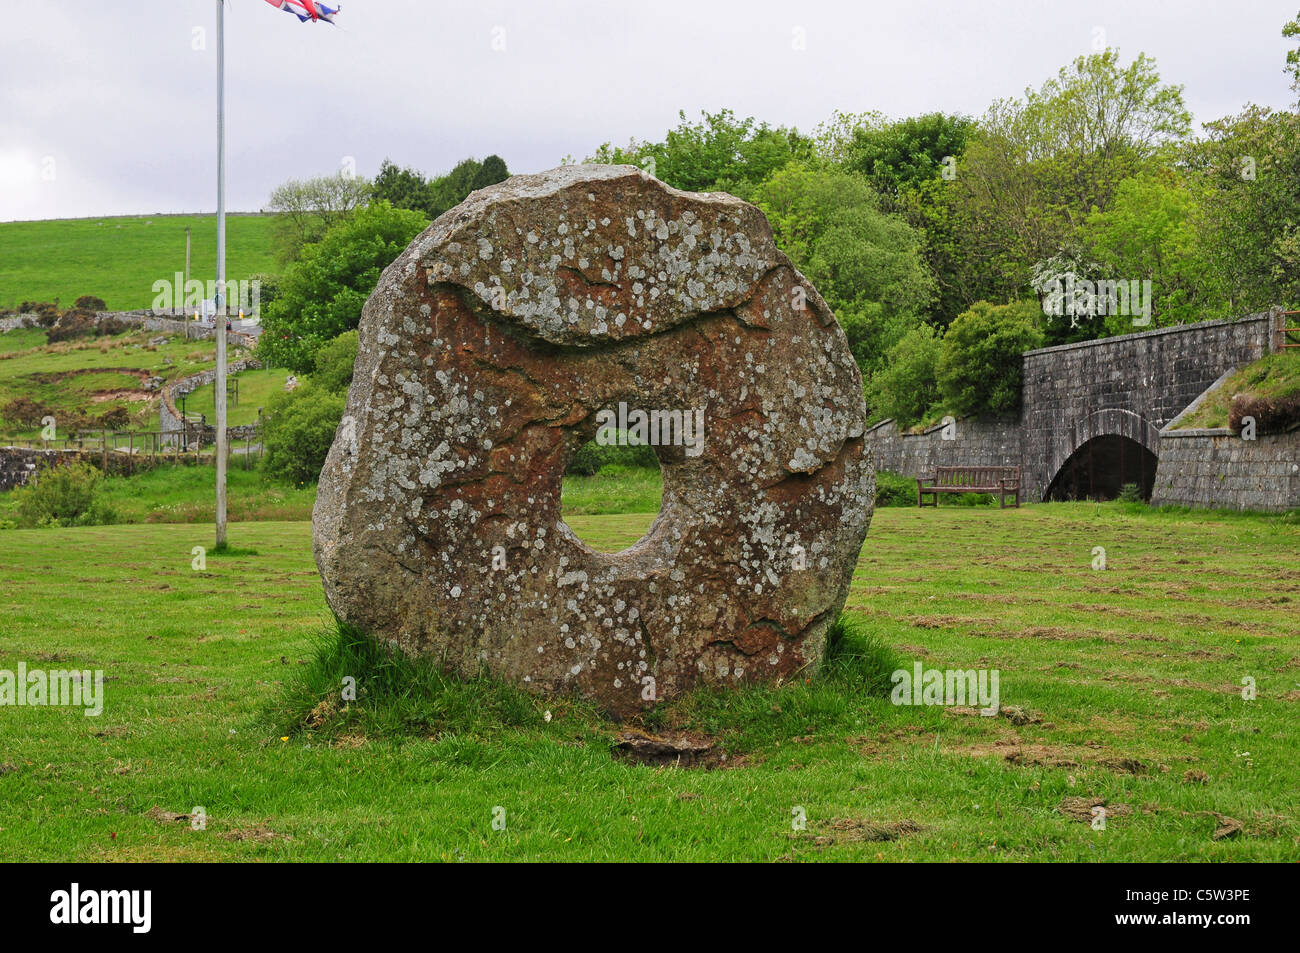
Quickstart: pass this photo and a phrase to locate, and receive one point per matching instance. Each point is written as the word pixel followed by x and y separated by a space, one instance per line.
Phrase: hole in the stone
pixel 616 478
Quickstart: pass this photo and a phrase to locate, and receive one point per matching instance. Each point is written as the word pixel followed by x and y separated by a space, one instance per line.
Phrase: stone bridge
pixel 1092 415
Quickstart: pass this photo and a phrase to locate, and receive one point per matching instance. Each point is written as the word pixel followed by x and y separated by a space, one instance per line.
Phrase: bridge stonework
pixel 1129 386
pixel 1153 375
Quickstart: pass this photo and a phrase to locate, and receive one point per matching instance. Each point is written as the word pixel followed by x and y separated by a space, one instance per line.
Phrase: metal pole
pixel 220 298
pixel 184 314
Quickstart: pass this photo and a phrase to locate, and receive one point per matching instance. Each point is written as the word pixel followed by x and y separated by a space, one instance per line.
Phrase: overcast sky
pixel 109 108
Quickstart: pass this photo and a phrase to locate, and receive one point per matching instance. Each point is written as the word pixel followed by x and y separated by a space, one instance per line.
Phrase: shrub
pixel 111 326
pixel 90 303
pixel 299 431
pixel 66 495
pixel 115 419
pixel 73 324
pixel 894 490
pixel 979 366
pixel 905 387
pixel 591 457
pixel 24 412
pixel 334 363
pixel 1129 493
pixel 1272 414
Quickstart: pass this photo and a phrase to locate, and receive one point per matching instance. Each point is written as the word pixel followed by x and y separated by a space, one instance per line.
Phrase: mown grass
pixel 615 489
pixel 1122 686
pixel 186 493
pixel 183 493
pixel 119 259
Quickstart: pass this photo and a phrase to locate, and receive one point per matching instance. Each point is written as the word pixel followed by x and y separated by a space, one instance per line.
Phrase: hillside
pixel 78 382
pixel 119 259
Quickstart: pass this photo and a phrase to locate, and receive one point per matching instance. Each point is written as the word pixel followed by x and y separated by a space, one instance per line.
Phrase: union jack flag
pixel 306 10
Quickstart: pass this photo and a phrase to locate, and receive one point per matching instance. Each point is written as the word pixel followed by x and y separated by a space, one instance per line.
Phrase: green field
pixel 187 494
pixel 1120 687
pixel 119 259
pixel 256 388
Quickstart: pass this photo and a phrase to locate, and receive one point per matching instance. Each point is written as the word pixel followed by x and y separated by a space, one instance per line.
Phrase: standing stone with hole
pixel 489 353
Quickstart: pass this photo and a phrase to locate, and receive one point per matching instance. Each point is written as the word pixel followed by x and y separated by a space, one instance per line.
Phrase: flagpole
pixel 220 298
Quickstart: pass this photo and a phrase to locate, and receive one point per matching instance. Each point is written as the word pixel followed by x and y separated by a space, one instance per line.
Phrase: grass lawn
pixel 256 388
pixel 1122 686
pixel 119 259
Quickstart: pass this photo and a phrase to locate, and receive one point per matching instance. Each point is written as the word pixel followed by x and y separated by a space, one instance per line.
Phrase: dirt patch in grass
pixel 103 396
pixel 167 817
pixel 944 621
pixel 1024 755
pixel 258 835
pixel 856 830
pixel 1080 808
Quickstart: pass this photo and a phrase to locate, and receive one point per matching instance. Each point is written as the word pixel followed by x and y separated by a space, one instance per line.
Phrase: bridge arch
pixel 1104 450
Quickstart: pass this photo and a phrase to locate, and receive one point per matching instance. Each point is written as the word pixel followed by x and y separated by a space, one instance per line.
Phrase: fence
pixel 129 450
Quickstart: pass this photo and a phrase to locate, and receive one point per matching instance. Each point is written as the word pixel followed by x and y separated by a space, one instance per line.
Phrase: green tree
pixel 718 154
pixel 334 362
pixel 403 188
pixel 979 366
pixel 407 188
pixel 866 263
pixel 1248 168
pixel 900 155
pixel 492 171
pixel 1292 29
pixel 1036 168
pixel 306 208
pixel 906 388
pixel 299 430
pixel 321 294
pixel 1150 233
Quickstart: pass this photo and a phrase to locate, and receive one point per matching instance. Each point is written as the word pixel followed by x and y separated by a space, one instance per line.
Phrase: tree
pixel 403 188
pixel 905 388
pixel 1248 170
pixel 1292 28
pixel 307 208
pixel 299 430
pixel 866 263
pixel 1035 169
pixel 718 154
pixel 1150 233
pixel 409 189
pixel 897 156
pixel 334 363
pixel 979 366
pixel 833 139
pixel 492 171
pixel 321 294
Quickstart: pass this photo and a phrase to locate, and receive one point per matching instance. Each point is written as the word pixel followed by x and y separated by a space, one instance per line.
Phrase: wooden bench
pixel 999 480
